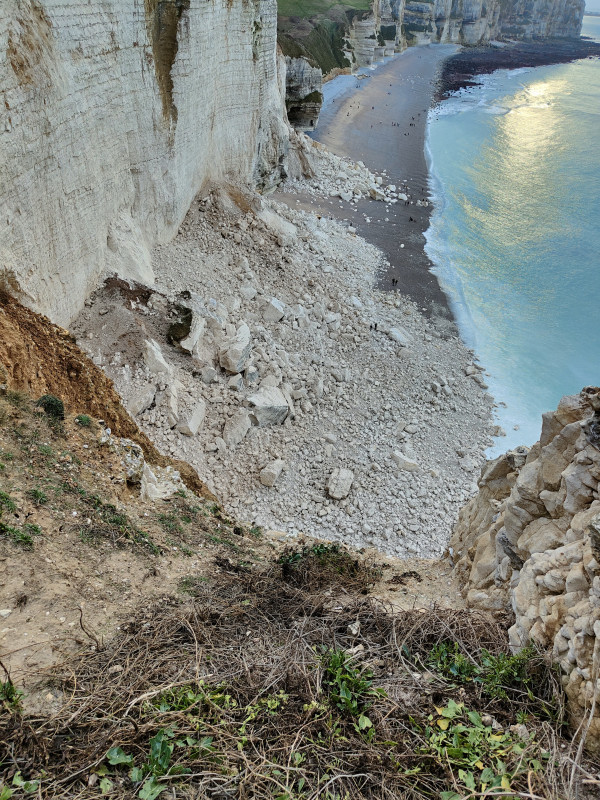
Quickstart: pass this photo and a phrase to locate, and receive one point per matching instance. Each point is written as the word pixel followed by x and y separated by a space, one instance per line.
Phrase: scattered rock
pixel 191 424
pixel 236 428
pixel 269 474
pixel 268 406
pixel 235 354
pixel 340 483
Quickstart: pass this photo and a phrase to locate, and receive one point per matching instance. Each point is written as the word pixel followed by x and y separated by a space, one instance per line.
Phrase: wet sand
pixel 382 121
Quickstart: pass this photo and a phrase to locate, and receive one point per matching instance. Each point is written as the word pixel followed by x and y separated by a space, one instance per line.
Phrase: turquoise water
pixel 515 235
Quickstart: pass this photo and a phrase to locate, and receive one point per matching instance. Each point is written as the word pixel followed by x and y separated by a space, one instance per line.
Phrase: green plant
pixel 27 787
pixel 17 399
pixel 496 673
pixel 83 420
pixel 32 529
pixel 479 758
pixel 10 696
pixel 349 687
pixel 53 406
pixel 6 503
pixel 37 496
pixel 157 764
pixel 18 537
pixel 45 450
pixel 170 523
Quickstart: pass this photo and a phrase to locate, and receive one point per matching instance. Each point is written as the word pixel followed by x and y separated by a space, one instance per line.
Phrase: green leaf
pixel 136 774
pixel 151 789
pixel 106 786
pixel 487 775
pixel 27 786
pixel 206 743
pixel 475 718
pixel 364 722
pixel 449 796
pixel 467 778
pixel 160 752
pixel 5 793
pixel 116 755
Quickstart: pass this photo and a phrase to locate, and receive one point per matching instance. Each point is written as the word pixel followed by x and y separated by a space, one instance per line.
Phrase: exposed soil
pixel 42 358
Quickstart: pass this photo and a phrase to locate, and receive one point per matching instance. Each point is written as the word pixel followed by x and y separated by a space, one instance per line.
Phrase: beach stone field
pixel 309 401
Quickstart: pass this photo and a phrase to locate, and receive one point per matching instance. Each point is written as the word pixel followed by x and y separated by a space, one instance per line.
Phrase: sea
pixel 515 235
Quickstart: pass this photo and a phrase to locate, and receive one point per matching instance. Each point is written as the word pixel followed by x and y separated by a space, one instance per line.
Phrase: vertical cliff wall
pixel 112 116
pixel 400 23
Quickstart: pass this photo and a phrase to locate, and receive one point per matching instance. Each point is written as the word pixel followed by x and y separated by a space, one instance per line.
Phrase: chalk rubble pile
pixel 308 401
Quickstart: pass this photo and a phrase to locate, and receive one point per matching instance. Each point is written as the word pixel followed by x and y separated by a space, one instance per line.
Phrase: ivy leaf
pixel 467 778
pixel 116 755
pixel 487 776
pixel 364 722
pixel 151 789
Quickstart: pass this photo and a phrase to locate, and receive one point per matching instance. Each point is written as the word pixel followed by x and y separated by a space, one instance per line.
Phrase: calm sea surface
pixel 515 235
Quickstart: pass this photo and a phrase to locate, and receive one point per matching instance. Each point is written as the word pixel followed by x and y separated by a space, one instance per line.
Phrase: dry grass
pixel 237 679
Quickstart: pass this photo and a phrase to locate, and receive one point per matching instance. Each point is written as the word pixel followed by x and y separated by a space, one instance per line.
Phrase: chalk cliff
pixel 392 25
pixel 530 542
pixel 113 116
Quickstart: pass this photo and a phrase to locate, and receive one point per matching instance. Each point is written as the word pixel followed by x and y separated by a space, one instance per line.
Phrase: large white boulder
pixel 268 406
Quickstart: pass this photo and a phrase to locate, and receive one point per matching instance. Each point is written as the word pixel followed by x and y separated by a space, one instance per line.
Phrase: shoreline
pixel 386 131
pixel 460 70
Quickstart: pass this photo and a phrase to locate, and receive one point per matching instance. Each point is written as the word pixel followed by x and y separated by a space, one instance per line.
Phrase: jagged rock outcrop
pixel 114 115
pixel 303 98
pixel 530 542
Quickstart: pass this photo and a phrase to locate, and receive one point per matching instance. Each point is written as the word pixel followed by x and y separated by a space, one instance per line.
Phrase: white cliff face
pixel 530 542
pixel 468 22
pixel 114 115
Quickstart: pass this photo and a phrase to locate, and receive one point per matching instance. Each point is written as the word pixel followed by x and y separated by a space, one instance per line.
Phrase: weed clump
pixel 323 564
pixel 83 420
pixel 256 683
pixel 53 406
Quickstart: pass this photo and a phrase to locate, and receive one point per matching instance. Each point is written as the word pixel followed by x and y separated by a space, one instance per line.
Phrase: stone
pixel 141 400
pixel 399 335
pixel 403 462
pixel 197 329
pixel 236 382
pixel 273 311
pixel 340 483
pixel 269 474
pixel 208 374
pixel 154 359
pixel 160 484
pixel 191 424
pixel 234 355
pixel 248 292
pixel 576 580
pixel 268 406
pixel 353 628
pixel 236 428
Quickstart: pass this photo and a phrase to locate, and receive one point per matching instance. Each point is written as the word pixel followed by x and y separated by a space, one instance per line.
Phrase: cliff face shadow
pixel 162 21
